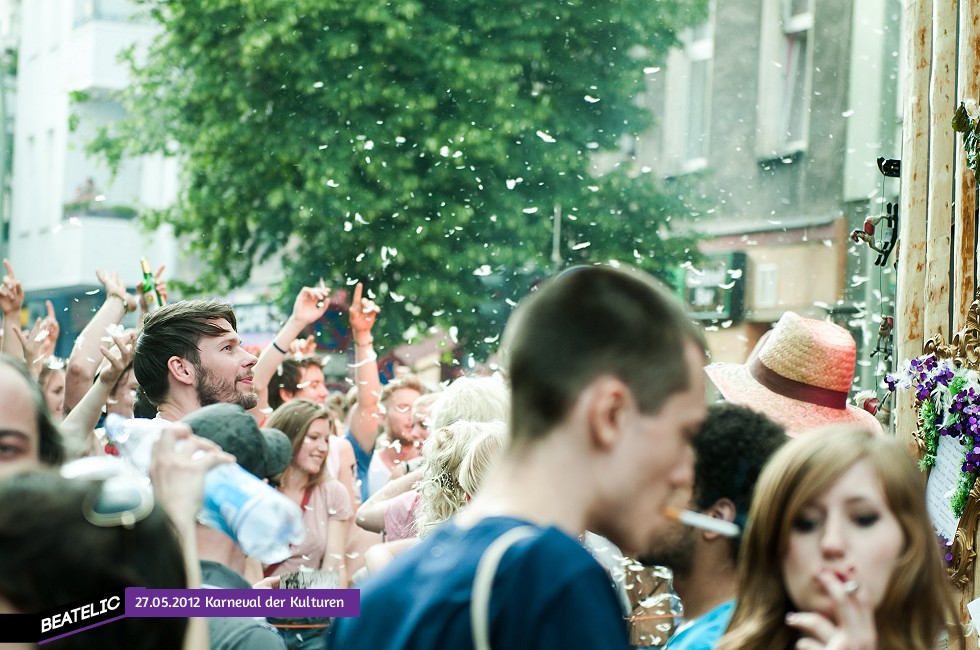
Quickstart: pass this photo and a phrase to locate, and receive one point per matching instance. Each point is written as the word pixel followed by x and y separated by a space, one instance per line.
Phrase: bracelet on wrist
pixel 276 346
pixel 364 344
pixel 128 307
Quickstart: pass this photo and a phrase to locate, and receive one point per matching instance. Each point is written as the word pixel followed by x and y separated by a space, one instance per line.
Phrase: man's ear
pixel 723 508
pixel 181 370
pixel 605 402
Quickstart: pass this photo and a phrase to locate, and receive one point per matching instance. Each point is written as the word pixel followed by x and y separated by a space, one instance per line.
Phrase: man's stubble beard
pixel 209 391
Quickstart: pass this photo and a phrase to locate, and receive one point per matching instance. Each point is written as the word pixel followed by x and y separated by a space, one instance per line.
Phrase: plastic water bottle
pixel 261 520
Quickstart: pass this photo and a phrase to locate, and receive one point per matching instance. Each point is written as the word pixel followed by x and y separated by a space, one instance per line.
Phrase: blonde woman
pixel 441 495
pixel 484 451
pixel 840 552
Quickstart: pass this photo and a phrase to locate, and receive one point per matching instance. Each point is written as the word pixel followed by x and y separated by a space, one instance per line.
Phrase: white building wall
pixel 55 247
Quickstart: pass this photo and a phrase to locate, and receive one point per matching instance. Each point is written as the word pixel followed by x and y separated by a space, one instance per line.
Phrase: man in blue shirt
pixel 733 445
pixel 607 394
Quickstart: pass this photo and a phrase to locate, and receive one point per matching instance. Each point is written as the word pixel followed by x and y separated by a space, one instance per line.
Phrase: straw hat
pixel 799 374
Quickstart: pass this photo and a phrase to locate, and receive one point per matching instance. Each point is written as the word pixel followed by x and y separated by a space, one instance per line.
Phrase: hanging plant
pixel 966 120
pixel 948 398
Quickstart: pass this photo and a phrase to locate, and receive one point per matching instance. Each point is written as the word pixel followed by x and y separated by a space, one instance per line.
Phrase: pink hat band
pixel 797 390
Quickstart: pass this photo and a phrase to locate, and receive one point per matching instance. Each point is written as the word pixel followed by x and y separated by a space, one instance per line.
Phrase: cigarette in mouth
pixel 696 519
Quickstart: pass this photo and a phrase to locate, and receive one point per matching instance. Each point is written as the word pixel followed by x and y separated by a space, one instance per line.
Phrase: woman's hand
pixel 852 626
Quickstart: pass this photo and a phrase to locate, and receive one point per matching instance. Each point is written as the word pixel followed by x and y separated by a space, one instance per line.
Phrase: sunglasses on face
pixel 117 497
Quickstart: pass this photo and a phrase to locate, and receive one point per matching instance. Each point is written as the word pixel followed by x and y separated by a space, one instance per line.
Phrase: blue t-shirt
pixel 363 460
pixel 548 593
pixel 704 632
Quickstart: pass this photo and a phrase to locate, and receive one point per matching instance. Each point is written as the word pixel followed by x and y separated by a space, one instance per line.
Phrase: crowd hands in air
pixel 531 507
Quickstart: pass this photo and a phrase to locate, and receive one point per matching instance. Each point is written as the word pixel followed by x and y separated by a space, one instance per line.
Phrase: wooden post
pixel 965 202
pixel 942 86
pixel 917 34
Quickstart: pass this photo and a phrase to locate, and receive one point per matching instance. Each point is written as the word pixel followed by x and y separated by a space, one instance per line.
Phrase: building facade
pixel 69 214
pixel 771 116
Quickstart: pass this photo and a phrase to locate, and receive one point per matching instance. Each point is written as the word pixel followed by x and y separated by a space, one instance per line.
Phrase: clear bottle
pixel 261 520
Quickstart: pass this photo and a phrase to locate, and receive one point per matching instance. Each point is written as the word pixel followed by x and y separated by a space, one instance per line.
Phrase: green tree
pixel 415 145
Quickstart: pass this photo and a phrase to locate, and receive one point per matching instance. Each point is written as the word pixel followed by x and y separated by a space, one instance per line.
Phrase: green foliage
pixel 408 145
pixel 928 413
pixel 970 128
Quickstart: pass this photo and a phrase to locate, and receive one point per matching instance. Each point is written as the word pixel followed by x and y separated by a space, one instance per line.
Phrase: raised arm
pixel 310 305
pixel 180 461
pixel 79 425
pixel 365 417
pixel 37 345
pixel 371 515
pixel 85 356
pixel 11 301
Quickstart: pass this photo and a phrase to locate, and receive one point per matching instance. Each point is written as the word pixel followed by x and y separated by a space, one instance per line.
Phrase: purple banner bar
pixel 283 603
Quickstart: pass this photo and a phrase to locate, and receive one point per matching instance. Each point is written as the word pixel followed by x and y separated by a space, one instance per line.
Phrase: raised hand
pixel 53 329
pixel 116 287
pixel 311 303
pixel 363 312
pixel 11 292
pixel 179 462
pixel 303 347
pixel 33 343
pixel 118 357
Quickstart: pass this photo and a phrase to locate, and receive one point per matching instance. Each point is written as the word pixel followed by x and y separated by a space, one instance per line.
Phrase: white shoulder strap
pixel 486 570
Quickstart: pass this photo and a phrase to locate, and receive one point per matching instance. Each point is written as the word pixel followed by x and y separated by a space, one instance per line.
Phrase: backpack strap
pixel 486 570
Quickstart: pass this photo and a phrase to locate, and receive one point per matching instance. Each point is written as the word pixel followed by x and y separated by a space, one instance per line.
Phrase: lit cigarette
pixel 696 519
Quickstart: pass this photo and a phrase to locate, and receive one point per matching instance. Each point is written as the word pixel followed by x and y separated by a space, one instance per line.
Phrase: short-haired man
pixel 27 433
pixel 397 400
pixel 189 355
pixel 607 393
pixel 732 447
pixel 297 377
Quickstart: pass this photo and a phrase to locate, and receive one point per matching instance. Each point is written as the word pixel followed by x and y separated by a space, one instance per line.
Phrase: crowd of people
pixel 522 509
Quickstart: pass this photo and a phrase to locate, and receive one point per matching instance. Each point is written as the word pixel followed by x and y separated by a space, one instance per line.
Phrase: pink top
pixel 329 501
pixel 400 516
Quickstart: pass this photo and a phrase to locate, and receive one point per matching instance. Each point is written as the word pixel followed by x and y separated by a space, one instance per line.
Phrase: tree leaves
pixel 404 144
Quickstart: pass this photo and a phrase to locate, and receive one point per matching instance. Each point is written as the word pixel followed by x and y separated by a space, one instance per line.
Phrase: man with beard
pixel 731 448
pixel 189 355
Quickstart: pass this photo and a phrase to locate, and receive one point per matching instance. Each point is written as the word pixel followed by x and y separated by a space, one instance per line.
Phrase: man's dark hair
pixel 175 330
pixel 51 446
pixel 588 322
pixel 731 448
pixel 287 377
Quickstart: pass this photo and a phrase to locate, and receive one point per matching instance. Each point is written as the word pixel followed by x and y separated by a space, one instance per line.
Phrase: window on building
pixel 686 121
pixel 785 77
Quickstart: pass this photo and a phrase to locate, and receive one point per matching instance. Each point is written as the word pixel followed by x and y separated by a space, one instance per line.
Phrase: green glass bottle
pixel 152 297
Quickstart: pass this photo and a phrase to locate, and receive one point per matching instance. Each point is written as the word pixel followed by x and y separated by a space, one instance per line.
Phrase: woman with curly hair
pixel 441 495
